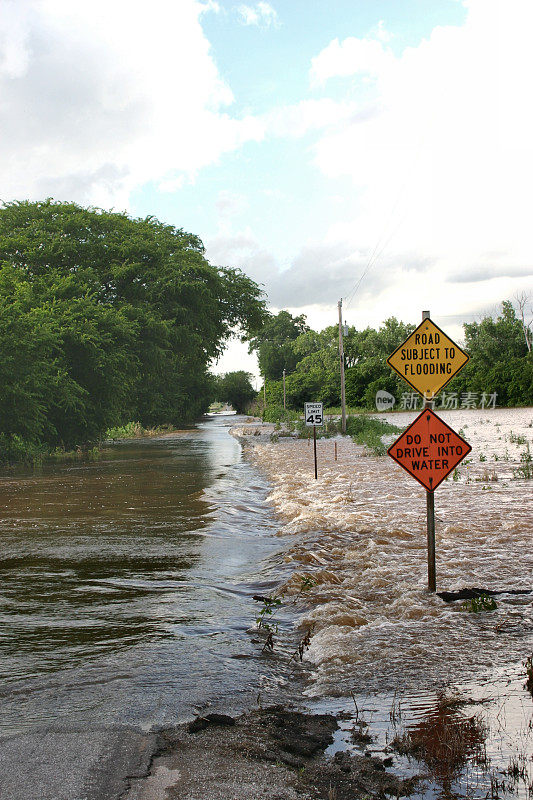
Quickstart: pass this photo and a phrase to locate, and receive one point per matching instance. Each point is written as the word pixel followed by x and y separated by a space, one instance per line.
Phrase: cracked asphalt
pixel 75 764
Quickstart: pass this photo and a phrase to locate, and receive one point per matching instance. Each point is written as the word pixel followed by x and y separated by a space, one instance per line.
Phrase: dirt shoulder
pixel 272 753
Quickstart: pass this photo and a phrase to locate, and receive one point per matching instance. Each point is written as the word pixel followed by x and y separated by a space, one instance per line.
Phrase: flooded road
pixel 126 584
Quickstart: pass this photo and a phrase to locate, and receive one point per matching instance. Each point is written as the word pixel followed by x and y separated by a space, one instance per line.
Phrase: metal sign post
pixel 313 416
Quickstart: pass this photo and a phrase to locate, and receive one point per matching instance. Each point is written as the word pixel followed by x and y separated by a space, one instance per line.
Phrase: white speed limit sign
pixel 313 414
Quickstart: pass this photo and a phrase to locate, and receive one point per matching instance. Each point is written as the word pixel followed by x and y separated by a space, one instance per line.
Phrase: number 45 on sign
pixel 313 414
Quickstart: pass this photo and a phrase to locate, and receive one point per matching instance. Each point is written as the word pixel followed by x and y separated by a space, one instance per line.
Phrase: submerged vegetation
pixel 482 603
pixel 363 429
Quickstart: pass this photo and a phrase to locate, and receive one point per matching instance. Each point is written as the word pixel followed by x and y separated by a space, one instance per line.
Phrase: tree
pixel 235 388
pixel 274 344
pixel 104 318
pixel 500 360
pixel 366 354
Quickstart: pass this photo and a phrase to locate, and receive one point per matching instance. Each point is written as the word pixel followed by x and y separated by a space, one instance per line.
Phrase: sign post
pixel 430 512
pixel 314 415
pixel 428 449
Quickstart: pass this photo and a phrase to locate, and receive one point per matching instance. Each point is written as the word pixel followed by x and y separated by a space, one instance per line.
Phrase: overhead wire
pixel 379 248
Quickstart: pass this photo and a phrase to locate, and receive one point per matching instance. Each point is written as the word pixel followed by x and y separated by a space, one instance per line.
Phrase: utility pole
pixel 283 388
pixel 341 357
pixel 430 511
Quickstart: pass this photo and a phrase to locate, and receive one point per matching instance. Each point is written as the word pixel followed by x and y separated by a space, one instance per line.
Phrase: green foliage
pixel 367 370
pixel 274 344
pixel 276 413
pixel 368 431
pixel 128 431
pixel 104 319
pixel 499 359
pixel 482 603
pixel 525 470
pixel 235 388
pixel 14 448
pixel 499 362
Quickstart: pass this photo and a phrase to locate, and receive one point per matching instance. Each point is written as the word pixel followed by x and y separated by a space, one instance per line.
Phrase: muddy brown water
pixel 126 584
pixel 357 537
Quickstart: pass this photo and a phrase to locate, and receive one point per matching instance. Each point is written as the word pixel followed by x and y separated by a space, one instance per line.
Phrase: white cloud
pixel 99 97
pixel 261 15
pixel 441 166
pixel 350 57
pixel 438 150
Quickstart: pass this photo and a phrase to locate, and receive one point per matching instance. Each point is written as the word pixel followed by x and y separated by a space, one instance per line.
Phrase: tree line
pixel 106 319
pixel 500 369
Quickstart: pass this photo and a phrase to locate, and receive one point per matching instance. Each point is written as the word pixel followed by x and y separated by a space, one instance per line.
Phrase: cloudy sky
pixel 374 150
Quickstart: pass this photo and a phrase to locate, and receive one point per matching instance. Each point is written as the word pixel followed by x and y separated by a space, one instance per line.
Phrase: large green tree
pixel 500 359
pixel 104 318
pixel 274 344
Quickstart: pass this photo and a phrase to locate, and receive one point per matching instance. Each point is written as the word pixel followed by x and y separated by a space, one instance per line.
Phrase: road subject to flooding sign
pixel 428 359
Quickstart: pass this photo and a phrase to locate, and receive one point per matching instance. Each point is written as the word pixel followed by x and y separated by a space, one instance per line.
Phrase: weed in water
pixel 456 474
pixel 482 457
pixel 265 618
pixel 528 664
pixel 525 470
pixel 369 431
pixel 307 583
pixel 516 438
pixel 476 604
pixel 304 644
pixel 487 476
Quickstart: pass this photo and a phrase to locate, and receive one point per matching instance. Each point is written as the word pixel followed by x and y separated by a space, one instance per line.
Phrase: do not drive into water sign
pixel 428 449
pixel 313 416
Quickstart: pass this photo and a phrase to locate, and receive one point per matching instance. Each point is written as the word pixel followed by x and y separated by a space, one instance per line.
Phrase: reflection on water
pixel 126 584
pixel 471 741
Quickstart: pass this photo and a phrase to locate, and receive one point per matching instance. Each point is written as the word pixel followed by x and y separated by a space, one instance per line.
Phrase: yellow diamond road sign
pixel 428 359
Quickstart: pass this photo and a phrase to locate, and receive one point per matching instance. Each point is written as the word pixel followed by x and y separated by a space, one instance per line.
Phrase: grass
pixel 368 431
pixel 363 429
pixel 130 430
pixel 525 470
pixel 516 438
pixel 134 430
pixel 477 604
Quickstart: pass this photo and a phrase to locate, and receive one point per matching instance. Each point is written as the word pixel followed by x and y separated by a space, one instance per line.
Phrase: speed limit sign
pixel 313 414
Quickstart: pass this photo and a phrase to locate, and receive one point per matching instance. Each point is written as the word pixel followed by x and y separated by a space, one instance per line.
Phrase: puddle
pixel 467 742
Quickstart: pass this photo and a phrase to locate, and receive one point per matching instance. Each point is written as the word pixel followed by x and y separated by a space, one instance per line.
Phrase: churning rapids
pixel 359 535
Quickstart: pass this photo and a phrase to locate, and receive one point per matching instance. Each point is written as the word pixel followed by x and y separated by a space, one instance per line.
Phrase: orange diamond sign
pixel 429 449
pixel 428 359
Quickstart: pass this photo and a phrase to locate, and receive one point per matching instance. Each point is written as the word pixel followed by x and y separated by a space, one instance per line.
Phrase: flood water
pixel 359 544
pixel 126 584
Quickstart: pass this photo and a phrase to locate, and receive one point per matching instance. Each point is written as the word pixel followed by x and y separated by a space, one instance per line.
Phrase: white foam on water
pixel 359 533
